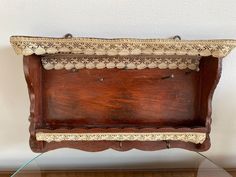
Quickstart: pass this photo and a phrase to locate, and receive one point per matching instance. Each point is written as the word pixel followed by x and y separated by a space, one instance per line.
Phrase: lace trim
pixel 123 47
pixel 193 137
pixel 69 62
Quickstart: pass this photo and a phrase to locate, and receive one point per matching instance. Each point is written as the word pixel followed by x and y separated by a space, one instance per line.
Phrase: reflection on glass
pixel 157 162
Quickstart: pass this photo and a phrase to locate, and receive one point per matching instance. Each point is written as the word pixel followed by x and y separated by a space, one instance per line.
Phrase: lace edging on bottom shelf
pixel 193 137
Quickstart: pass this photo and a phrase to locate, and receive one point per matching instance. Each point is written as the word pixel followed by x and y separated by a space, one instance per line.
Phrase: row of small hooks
pixel 167 144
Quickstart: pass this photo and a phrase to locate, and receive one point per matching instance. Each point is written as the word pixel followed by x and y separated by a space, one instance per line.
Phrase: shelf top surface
pixel 28 45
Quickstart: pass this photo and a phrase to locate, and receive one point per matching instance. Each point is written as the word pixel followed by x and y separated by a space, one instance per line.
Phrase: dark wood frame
pixel 209 75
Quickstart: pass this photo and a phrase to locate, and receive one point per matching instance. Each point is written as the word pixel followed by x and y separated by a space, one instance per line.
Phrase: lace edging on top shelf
pixel 122 47
pixel 69 62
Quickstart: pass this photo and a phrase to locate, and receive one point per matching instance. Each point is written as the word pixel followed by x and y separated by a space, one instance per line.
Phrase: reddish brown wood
pixel 125 145
pixel 123 98
pixel 210 76
pixel 128 100
pixel 33 75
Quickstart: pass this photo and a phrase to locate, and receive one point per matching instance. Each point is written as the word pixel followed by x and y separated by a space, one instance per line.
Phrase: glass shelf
pixel 169 160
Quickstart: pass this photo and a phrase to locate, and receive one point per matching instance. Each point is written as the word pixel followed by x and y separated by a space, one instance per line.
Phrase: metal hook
pixel 167 144
pixel 68 35
pixel 176 37
pixel 73 69
pixel 120 144
pixel 188 72
pixel 168 77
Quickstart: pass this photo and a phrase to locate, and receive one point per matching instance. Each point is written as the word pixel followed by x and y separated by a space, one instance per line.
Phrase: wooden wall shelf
pixel 93 94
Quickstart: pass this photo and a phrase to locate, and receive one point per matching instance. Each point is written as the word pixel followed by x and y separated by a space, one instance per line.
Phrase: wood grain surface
pixel 87 99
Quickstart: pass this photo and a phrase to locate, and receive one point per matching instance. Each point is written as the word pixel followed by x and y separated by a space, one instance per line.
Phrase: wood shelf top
pixel 28 45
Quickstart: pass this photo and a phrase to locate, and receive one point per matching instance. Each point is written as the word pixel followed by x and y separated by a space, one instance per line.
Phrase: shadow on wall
pixel 223 132
pixel 14 104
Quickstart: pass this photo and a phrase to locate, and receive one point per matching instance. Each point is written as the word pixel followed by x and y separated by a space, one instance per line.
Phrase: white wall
pixel 200 19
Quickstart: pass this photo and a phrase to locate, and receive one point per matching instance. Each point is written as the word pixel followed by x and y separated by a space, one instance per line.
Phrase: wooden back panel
pixel 114 97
